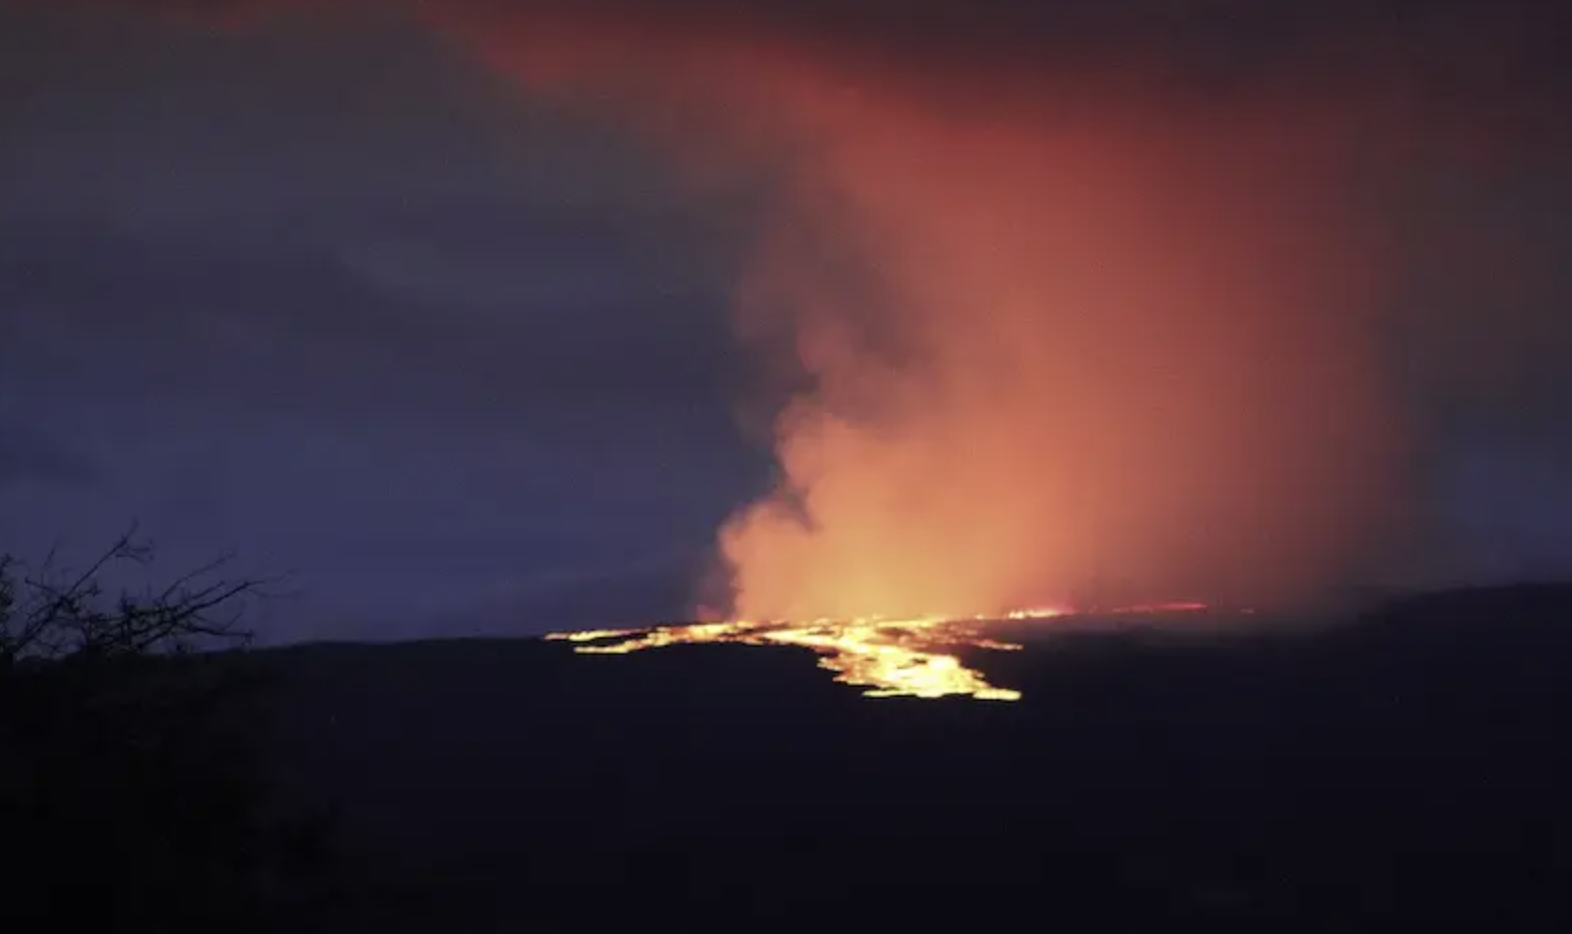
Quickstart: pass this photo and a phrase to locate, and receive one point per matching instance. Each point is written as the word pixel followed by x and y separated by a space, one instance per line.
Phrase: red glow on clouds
pixel 1082 312
pixel 1052 341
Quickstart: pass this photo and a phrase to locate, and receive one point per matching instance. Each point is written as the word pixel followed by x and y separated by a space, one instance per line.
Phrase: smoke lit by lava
pixel 1030 338
pixel 1062 297
pixel 1040 330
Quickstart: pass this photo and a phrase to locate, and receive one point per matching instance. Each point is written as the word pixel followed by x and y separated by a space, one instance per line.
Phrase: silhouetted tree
pixel 134 785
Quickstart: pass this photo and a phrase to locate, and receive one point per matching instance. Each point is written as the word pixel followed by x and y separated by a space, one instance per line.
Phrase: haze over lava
pixel 1046 329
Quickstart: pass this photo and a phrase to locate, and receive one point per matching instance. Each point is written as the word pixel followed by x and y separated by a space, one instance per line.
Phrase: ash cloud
pixel 1080 297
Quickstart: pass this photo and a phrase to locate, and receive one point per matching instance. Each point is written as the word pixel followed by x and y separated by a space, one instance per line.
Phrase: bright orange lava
pixel 915 657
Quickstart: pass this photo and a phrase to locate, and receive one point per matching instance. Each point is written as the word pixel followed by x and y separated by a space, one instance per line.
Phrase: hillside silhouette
pixel 135 777
pixel 1407 769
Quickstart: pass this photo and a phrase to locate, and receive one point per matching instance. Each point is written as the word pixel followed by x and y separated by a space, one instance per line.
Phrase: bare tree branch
pixel 52 614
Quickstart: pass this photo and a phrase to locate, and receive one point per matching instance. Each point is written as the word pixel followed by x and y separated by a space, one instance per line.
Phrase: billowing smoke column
pixel 1054 338
pixel 1079 352
pixel 1092 313
pixel 1092 310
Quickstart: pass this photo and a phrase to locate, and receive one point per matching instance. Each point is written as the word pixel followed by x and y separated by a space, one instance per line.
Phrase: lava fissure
pixel 916 657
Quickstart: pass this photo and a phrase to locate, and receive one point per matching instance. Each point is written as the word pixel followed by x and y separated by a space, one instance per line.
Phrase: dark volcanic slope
pixel 1410 768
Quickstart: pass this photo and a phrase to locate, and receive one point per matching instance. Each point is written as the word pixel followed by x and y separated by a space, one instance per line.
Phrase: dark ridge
pixel 1525 604
pixel 1404 769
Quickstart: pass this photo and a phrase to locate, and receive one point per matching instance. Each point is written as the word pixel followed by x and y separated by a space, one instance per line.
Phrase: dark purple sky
pixel 336 300
pixel 333 295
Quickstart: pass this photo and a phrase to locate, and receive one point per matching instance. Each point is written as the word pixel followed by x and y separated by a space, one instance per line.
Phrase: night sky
pixel 431 306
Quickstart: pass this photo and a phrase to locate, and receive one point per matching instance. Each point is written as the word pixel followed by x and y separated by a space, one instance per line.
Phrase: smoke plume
pixel 1066 299
pixel 1110 323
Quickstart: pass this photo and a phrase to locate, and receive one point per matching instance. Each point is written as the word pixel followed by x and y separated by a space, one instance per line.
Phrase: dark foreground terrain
pixel 1412 769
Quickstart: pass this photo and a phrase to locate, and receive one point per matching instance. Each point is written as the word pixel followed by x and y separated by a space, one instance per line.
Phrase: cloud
pixel 265 220
pixel 28 455
pixel 376 322
pixel 1452 53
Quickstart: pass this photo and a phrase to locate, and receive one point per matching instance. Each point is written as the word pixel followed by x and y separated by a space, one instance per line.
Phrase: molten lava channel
pixel 915 657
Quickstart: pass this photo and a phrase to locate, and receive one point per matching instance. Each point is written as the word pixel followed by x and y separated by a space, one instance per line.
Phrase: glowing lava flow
pixel 889 657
